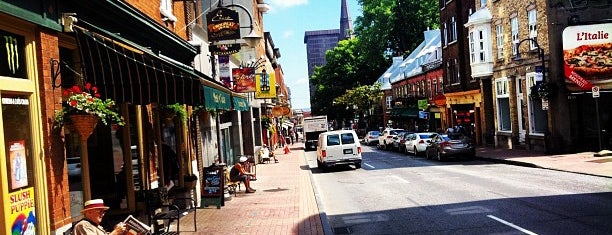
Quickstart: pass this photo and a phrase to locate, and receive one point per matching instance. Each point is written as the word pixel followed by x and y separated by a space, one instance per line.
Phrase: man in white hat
pixel 93 212
pixel 239 174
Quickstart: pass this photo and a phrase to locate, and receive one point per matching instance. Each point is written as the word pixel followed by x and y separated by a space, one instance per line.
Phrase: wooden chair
pixel 231 185
pixel 160 207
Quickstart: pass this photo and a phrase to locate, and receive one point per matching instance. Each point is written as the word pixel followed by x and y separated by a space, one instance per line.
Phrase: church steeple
pixel 346 24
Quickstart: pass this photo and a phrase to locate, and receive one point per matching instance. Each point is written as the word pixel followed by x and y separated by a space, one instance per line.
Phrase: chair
pixel 160 207
pixel 231 185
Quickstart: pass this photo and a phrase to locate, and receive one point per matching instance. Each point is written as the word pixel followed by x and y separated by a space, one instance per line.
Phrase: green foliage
pixel 177 109
pixel 87 100
pixel 362 97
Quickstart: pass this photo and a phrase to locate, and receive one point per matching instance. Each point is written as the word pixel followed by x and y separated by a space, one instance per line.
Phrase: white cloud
pixel 286 3
pixel 288 34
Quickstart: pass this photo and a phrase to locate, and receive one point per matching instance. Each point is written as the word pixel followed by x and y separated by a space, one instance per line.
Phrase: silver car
pixel 371 137
pixel 442 147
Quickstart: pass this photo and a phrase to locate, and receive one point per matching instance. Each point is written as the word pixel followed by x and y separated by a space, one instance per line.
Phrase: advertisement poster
pixel 22 219
pixel 265 86
pixel 244 79
pixel 586 53
pixel 224 71
pixel 18 167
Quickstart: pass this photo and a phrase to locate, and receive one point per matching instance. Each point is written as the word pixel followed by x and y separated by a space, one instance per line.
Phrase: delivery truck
pixel 313 126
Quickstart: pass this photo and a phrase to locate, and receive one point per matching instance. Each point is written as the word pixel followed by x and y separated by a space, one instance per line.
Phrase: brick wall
pixel 57 181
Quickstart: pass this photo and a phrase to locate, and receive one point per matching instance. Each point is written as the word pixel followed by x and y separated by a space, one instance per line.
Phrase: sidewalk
pixel 283 204
pixel 583 163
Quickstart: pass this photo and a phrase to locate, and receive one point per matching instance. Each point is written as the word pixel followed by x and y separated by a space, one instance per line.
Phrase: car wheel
pixel 439 155
pixel 357 165
pixel 416 153
pixel 427 154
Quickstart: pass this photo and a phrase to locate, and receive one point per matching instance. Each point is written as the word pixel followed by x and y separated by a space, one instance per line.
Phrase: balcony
pixel 482 69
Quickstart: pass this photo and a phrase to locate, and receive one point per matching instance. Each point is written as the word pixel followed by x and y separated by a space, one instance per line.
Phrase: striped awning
pixel 126 72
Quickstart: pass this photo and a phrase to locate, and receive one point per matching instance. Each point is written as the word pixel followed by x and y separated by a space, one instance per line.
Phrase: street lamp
pixel 540 52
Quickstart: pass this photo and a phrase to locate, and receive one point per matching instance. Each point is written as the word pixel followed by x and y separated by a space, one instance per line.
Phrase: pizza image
pixel 593 62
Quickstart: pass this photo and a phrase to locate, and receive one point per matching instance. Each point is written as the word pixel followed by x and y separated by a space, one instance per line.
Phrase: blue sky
pixel 287 20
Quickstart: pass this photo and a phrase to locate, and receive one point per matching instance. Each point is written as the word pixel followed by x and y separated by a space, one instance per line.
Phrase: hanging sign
pixel 440 100
pixel 224 49
pixel 222 24
pixel 265 87
pixel 225 71
pixel 244 79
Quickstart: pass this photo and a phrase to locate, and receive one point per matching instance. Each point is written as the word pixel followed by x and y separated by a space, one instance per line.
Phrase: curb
pixel 327 230
pixel 526 164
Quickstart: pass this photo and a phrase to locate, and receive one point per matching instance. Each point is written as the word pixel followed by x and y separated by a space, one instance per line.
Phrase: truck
pixel 313 126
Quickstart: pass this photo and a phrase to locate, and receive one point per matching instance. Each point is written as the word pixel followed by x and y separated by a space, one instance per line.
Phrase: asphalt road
pixel 401 194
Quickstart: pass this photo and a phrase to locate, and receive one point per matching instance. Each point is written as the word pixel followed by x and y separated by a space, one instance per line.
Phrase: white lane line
pixel 400 179
pixel 370 166
pixel 512 225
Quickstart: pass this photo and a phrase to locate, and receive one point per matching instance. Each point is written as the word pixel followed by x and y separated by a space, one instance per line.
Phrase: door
pixel 521 106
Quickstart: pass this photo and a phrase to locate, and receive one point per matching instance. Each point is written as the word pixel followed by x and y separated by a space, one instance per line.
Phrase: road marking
pixel 512 225
pixel 400 179
pixel 370 166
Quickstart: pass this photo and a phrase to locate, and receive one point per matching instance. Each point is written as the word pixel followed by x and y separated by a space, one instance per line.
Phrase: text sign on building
pixel 12 55
pixel 223 24
pixel 595 91
pixel 582 45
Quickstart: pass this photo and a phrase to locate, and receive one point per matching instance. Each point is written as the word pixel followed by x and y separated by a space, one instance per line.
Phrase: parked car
pixel 386 138
pixel 443 146
pixel 74 166
pixel 338 148
pixel 371 137
pixel 399 141
pixel 417 142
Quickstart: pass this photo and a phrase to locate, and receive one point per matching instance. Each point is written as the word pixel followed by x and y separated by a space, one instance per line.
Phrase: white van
pixel 340 147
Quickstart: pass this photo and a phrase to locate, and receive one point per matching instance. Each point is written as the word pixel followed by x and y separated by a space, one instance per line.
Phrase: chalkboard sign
pixel 213 182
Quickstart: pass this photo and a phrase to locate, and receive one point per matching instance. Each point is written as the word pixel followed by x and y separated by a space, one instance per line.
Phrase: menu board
pixel 213 182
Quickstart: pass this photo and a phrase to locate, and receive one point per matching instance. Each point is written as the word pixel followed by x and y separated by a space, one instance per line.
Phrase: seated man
pixel 239 174
pixel 93 212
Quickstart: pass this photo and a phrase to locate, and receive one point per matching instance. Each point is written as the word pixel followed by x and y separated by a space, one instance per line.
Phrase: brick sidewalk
pixel 283 204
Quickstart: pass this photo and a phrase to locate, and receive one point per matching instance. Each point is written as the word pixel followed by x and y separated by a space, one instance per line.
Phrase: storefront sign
pixel 440 100
pixel 223 24
pixel 240 104
pixel 216 99
pixel 12 55
pixel 422 104
pixel 244 79
pixel 583 46
pixel 265 86
pixel 22 219
pixel 224 49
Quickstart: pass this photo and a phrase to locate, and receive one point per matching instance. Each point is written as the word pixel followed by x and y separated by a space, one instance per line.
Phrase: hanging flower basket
pixel 84 124
pixel 542 91
pixel 86 101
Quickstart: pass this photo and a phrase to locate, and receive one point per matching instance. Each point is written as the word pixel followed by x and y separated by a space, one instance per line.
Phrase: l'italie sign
pixel 586 56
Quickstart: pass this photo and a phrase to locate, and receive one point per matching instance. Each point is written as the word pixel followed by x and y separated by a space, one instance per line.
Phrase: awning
pixel 411 112
pixel 240 104
pixel 216 99
pixel 125 72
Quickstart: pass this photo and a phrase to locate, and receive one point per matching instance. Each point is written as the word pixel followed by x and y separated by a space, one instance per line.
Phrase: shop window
pixel 18 141
pixel 503 104
pixel 12 54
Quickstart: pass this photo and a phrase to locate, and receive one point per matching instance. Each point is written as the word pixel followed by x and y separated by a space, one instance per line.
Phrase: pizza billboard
pixel 587 56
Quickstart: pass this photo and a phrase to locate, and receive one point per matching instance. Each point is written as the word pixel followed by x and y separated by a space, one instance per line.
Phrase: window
pixel 515 34
pixel 537 116
pixel 452 70
pixel 483 3
pixel 347 138
pixel 503 104
pixel 388 101
pixel 166 10
pixel 333 140
pixel 481 46
pixel 453 30
pixel 445 34
pixel 500 41
pixel 472 53
pixel 533 30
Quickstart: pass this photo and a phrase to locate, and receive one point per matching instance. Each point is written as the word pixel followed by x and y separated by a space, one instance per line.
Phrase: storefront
pixel 463 113
pixel 22 164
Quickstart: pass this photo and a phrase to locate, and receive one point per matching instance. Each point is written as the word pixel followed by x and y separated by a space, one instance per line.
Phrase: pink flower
pixel 76 89
pixel 87 86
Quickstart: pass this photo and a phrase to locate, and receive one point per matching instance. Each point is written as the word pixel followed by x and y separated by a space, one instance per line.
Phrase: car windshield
pixel 374 133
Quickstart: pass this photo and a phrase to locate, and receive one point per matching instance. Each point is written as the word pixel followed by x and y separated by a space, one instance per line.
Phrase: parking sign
pixel 595 90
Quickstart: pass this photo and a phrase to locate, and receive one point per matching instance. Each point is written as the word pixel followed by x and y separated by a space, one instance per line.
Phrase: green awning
pixel 240 104
pixel 216 99
pixel 411 112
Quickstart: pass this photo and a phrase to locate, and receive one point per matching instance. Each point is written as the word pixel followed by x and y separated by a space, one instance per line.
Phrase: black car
pixel 443 146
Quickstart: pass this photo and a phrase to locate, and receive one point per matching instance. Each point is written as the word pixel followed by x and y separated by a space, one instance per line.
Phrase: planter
pixel 84 124
pixel 190 184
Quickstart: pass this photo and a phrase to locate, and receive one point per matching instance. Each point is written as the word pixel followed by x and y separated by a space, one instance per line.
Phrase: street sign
pixel 595 90
pixel 539 76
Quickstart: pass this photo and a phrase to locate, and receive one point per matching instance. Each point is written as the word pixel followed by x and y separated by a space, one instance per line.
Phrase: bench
pixel 231 185
pixel 160 206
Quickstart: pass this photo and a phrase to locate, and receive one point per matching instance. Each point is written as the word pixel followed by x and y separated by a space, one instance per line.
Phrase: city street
pixel 401 194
